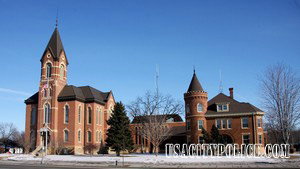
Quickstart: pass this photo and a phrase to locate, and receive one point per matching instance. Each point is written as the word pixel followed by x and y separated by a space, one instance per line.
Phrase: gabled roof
pixel 55 46
pixel 195 85
pixel 234 106
pixel 141 119
pixel 33 99
pixel 85 94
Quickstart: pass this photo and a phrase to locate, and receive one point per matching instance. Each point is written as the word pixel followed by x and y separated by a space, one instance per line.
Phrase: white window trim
pixel 89 106
pixel 243 137
pixel 62 64
pixel 220 104
pixel 217 123
pixel 199 124
pixel 222 124
pixel 242 123
pixel 259 118
pixel 228 123
pixel 44 114
pixel 97 116
pixel 100 116
pixel 65 135
pixel 87 136
pixel 79 114
pixel 201 107
pixel 65 113
pixel 79 131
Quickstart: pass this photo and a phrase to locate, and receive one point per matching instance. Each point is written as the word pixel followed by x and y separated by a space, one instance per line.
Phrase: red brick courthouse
pixel 76 116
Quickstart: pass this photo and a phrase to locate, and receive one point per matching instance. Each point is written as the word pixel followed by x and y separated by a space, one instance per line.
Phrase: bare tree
pixel 152 111
pixel 8 133
pixel 281 96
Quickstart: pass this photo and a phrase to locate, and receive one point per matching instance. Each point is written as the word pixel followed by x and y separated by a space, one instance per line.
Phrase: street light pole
pixel 47 115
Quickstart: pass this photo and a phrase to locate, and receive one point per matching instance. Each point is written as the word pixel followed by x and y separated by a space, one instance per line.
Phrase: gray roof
pixel 55 46
pixel 33 99
pixel 195 84
pixel 234 106
pixel 141 119
pixel 84 93
pixel 178 131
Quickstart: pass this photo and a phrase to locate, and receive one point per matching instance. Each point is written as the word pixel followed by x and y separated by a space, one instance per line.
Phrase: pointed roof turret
pixel 55 46
pixel 195 85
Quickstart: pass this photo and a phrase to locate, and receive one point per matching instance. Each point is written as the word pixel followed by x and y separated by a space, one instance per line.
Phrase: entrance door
pixel 227 139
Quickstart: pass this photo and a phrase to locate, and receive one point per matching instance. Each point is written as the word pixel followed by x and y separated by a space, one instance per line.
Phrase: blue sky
pixel 115 45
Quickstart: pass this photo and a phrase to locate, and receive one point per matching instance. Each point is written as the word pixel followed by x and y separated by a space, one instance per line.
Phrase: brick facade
pixel 70 133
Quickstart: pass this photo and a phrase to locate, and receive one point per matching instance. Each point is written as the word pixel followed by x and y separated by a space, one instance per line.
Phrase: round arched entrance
pixel 227 139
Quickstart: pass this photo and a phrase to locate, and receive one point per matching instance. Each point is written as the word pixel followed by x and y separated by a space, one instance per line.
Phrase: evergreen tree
pixel 215 135
pixel 206 136
pixel 118 135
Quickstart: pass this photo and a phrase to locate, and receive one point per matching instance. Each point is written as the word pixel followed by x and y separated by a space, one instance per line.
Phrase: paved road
pixel 20 165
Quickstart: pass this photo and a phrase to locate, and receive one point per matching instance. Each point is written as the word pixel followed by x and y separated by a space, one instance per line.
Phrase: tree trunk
pixel 156 150
pixel 118 153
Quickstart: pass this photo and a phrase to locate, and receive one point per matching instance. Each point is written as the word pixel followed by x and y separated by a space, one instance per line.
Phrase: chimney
pixel 231 92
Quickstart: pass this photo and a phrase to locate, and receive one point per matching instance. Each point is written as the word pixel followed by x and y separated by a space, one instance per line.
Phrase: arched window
pixel 89 136
pixel 66 135
pixel 96 136
pixel 45 92
pixel 100 116
pixel 79 136
pixel 47 113
pixel 67 114
pixel 62 71
pixel 48 70
pixel 79 114
pixel 89 115
pixel 199 107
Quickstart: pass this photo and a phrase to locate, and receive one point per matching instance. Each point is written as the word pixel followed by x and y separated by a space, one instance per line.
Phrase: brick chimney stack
pixel 231 92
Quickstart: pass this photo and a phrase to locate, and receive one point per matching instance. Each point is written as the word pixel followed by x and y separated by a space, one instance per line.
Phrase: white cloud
pixel 4 90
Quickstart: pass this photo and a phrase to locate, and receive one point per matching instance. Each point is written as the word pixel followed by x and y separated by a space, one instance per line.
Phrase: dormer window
pixel 170 120
pixel 199 107
pixel 222 107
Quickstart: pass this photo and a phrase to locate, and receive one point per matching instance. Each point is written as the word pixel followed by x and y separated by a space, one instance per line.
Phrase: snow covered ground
pixel 140 158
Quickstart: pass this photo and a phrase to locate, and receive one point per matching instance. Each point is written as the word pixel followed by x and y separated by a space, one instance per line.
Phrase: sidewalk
pixel 151 161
